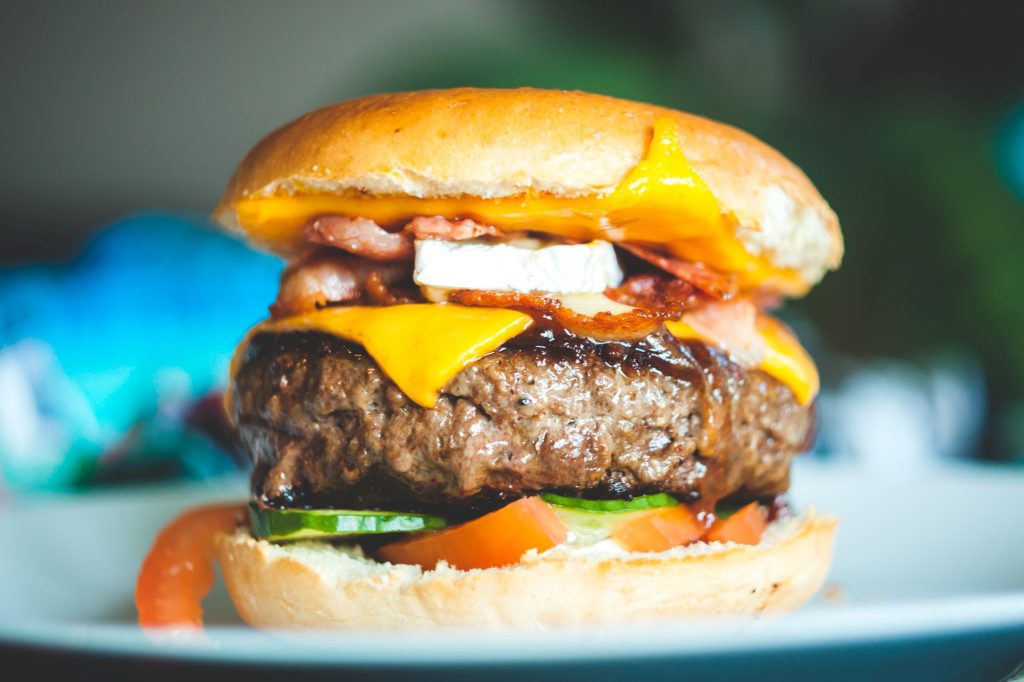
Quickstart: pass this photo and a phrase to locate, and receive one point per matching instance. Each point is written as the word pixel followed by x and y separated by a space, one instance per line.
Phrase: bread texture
pixel 319 586
pixel 498 143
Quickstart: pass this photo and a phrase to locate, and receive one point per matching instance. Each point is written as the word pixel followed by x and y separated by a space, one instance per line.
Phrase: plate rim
pixel 813 628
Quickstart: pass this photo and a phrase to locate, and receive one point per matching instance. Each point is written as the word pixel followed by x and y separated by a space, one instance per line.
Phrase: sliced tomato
pixel 745 527
pixel 660 529
pixel 178 571
pixel 496 539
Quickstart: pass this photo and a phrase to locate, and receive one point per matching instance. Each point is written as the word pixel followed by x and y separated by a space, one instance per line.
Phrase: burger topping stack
pixel 428 296
pixel 464 377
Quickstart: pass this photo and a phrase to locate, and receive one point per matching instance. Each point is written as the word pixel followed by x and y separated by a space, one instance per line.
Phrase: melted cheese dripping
pixel 661 201
pixel 421 347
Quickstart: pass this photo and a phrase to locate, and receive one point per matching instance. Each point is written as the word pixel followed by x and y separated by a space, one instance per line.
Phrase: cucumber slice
pixel 611 506
pixel 724 511
pixel 589 528
pixel 299 524
pixel 591 521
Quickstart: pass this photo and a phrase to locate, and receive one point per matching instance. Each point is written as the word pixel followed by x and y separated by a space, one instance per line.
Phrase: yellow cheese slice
pixel 786 360
pixel 420 346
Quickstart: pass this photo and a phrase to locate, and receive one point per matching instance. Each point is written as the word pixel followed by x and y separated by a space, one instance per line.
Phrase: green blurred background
pixel 908 115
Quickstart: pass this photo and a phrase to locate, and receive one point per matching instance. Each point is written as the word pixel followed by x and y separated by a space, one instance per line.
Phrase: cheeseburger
pixel 521 371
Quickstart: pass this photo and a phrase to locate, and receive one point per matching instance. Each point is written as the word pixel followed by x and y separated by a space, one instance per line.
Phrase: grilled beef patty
pixel 546 412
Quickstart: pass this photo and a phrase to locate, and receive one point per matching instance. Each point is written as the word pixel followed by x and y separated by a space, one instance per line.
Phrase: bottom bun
pixel 317 585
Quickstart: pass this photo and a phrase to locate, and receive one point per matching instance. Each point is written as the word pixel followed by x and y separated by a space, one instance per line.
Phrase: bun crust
pixel 495 143
pixel 313 585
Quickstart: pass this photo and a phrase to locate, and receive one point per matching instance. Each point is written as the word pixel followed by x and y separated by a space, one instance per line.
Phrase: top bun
pixel 496 143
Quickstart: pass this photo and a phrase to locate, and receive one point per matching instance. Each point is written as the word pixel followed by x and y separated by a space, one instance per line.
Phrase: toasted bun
pixel 495 143
pixel 316 585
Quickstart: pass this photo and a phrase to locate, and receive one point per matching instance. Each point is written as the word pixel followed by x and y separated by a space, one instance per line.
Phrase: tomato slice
pixel 660 529
pixel 496 539
pixel 745 527
pixel 178 571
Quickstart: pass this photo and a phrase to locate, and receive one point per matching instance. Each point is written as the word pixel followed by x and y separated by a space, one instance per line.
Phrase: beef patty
pixel 546 412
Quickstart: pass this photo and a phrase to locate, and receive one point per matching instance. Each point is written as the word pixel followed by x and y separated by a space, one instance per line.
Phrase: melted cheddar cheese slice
pixel 420 346
pixel 786 360
pixel 661 201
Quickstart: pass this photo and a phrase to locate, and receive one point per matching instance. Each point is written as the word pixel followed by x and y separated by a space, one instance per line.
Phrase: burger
pixel 521 371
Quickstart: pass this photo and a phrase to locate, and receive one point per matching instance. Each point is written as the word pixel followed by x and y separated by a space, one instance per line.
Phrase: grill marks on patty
pixel 548 411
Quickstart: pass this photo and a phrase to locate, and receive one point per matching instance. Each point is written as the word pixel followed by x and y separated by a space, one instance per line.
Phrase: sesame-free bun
pixel 498 143
pixel 319 586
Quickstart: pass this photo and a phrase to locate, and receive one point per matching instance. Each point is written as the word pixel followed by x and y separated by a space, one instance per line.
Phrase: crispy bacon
pixel 655 291
pixel 436 227
pixel 360 236
pixel 715 284
pixel 314 282
pixel 628 326
pixel 364 237
pixel 379 292
pixel 325 277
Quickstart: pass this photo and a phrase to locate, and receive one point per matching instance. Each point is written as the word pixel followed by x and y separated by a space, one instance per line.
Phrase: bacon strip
pixel 436 227
pixel 635 324
pixel 655 291
pixel 323 278
pixel 360 236
pixel 715 284
pixel 315 282
pixel 732 326
pixel 378 291
pixel 364 237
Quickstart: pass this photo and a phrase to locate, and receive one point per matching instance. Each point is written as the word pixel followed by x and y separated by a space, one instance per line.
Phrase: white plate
pixel 928 583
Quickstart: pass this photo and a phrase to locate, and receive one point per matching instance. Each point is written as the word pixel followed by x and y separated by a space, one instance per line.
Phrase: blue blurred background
pixel 122 121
